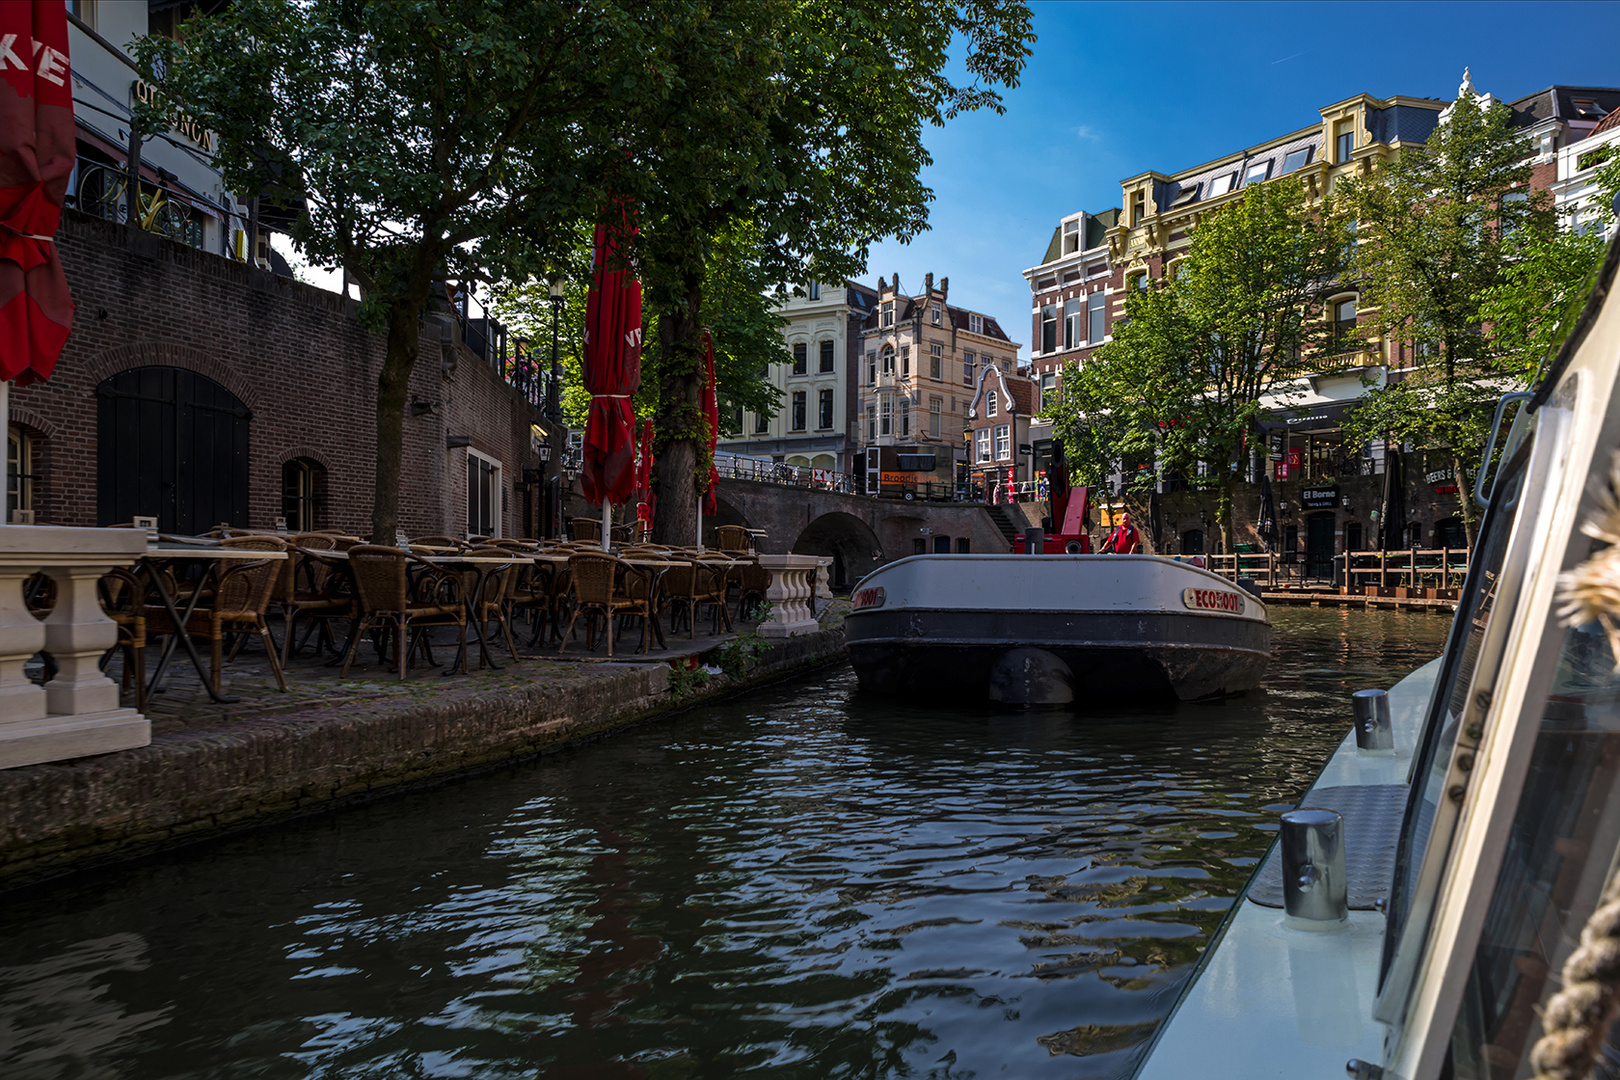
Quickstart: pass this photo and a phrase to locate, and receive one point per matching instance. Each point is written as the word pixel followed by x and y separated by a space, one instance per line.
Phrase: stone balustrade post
pixel 789 595
pixel 76 713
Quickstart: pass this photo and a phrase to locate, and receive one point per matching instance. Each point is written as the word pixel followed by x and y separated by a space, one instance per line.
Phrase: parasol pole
pixel 607 523
pixel 5 426
pixel 700 525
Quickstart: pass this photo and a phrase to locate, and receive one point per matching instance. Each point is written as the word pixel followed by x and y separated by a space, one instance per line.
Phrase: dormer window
pixel 975 324
pixel 1071 237
pixel 1220 185
pixel 814 289
pixel 1186 196
pixel 1296 160
pixel 888 313
pixel 990 403
pixel 937 314
pixel 1257 173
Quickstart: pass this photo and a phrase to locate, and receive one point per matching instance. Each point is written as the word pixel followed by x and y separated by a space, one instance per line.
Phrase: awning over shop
pixel 1322 416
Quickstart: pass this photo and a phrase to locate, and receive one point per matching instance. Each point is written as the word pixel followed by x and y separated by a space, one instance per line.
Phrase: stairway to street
pixel 1003 521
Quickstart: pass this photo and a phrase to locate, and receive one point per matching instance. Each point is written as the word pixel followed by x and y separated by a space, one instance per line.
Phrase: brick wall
pixel 293 354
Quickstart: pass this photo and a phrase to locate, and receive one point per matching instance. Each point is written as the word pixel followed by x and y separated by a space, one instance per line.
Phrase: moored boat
pixel 1045 629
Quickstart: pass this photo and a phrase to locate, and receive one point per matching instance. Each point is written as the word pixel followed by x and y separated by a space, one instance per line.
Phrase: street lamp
pixel 556 372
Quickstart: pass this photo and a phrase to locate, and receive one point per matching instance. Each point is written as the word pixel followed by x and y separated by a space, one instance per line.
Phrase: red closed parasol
pixel 612 367
pixel 36 159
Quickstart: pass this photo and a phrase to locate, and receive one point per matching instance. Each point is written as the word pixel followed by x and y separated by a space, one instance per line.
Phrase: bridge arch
pixel 854 547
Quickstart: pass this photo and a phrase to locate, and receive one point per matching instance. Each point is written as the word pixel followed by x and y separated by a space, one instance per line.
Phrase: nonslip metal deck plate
pixel 1372 824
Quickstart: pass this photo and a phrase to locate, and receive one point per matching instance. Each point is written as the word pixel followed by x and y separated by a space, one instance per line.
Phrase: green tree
pixel 802 123
pixel 420 140
pixel 1242 319
pixel 1094 419
pixel 1440 227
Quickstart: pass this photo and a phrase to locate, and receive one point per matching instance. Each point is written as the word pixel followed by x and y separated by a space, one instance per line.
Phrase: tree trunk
pixel 1465 500
pixel 1223 514
pixel 393 389
pixel 681 428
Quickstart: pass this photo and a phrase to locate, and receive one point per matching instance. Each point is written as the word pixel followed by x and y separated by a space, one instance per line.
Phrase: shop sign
pixel 1319 498
pixel 822 476
pixel 1444 480
pixel 1212 600
pixel 180 122
pixel 901 478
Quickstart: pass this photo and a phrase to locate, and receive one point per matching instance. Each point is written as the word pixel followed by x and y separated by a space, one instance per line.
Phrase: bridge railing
pixel 772 472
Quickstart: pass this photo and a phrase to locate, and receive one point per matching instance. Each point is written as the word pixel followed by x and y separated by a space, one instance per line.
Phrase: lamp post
pixel 555 402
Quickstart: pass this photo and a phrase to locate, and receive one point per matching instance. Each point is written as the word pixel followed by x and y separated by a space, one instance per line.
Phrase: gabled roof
pixel 1015 393
pixel 1558 103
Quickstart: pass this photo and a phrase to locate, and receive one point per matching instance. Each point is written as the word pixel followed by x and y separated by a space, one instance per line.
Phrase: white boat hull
pixel 1046 629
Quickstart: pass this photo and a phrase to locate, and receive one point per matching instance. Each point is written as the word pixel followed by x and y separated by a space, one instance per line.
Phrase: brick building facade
pixel 199 389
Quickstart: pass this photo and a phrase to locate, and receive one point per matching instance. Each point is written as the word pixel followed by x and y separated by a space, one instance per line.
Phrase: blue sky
pixel 1116 89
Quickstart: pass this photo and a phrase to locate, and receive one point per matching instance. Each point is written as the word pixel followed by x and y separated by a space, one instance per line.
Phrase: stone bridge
pixel 858 531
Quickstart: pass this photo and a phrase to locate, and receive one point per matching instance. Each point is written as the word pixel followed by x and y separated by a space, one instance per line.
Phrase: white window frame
pixel 826 357
pixel 887 318
pixel 887 360
pixel 905 419
pixel 19 473
pixel 813 290
pixel 1096 306
pixel 936 362
pixel 936 412
pixel 1003 442
pixel 825 407
pixel 871 421
pixel 494 494
pixel 983 442
pixel 975 323
pixel 990 403
pixel 799 418
pixel 885 416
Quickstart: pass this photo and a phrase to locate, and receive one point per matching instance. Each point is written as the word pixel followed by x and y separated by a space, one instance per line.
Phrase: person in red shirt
pixel 1124 540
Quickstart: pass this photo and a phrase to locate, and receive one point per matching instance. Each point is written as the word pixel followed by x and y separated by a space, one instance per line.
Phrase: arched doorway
pixel 171 444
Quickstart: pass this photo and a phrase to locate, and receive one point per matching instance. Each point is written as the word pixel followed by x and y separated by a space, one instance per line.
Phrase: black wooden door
pixel 171 444
pixel 1319 546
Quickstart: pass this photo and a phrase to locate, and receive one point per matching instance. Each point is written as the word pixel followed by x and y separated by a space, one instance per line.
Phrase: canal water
pixel 806 883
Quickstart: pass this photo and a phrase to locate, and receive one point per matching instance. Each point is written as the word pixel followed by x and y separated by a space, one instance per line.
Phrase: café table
pixel 170 553
pixel 479 567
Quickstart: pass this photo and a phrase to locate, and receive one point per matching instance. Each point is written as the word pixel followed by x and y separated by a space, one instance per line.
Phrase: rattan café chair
pixel 606 585
pixel 403 592
pixel 237 605
pixel 584 528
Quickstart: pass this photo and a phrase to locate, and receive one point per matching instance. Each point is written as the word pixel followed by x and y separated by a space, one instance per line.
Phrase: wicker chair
pixel 753 581
pixel 609 586
pixel 582 528
pixel 122 599
pixel 733 538
pixel 237 605
pixel 689 584
pixel 402 591
pixel 318 589
pixel 495 599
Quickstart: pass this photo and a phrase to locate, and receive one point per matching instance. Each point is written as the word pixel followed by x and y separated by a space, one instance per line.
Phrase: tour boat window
pixel 1547 887
pixel 1446 707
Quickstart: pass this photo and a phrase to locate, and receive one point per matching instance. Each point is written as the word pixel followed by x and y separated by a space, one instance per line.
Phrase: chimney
pixel 929 278
pixel 944 286
pixel 895 285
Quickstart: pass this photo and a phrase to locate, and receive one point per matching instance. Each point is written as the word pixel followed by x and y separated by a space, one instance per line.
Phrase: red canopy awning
pixel 711 416
pixel 37 151
pixel 612 364
pixel 644 463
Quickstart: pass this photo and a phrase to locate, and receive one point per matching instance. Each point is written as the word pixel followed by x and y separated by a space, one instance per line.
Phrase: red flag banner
pixel 37 151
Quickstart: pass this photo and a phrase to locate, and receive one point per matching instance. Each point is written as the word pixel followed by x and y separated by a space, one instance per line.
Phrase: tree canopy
pixel 418 140
pixel 1240 319
pixel 1440 227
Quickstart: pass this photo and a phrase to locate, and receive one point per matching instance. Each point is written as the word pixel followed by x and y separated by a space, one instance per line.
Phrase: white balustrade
pixel 789 595
pixel 76 713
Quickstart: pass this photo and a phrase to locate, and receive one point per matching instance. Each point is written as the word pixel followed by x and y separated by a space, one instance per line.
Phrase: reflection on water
pixel 807 883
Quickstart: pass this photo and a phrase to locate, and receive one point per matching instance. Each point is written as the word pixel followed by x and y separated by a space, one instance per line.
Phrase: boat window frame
pixel 1456 879
pixel 1410 916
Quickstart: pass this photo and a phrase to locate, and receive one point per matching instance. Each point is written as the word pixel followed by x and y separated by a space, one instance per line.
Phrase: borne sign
pixel 1213 600
pixel 1319 498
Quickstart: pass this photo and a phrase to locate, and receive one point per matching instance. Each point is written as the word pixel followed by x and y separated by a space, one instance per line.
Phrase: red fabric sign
pixel 37 152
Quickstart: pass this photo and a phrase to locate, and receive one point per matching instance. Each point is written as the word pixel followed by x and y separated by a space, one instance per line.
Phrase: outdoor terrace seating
pixel 403 592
